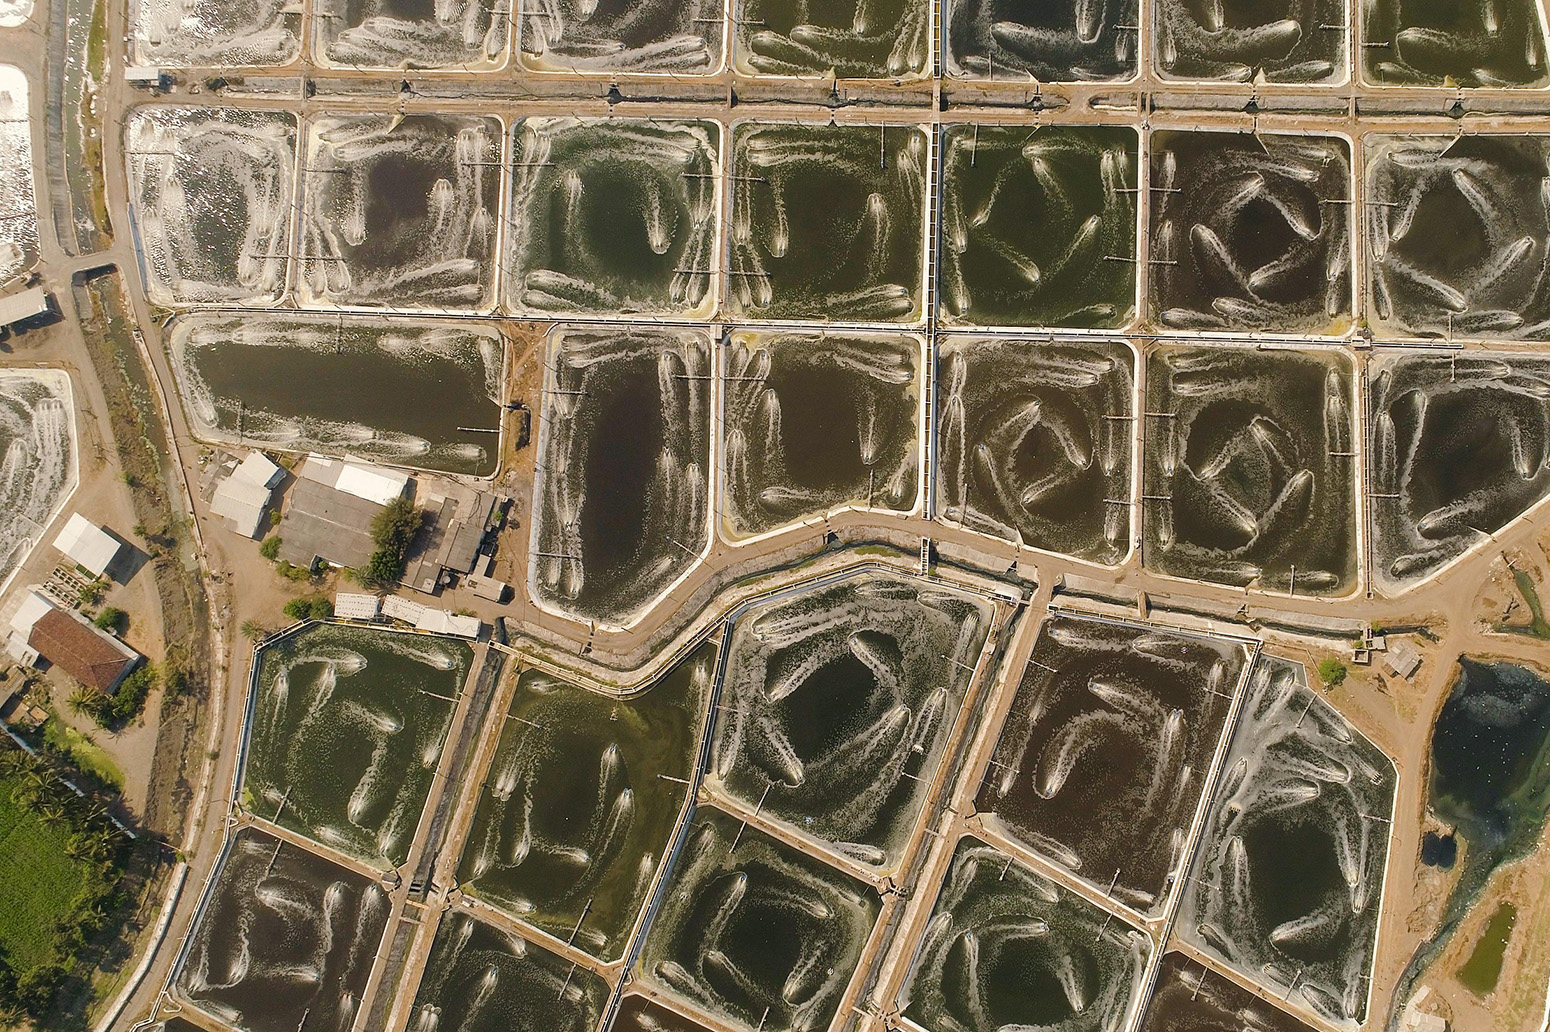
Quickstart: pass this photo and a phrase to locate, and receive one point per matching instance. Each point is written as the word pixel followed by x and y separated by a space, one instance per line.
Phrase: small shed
pixel 1402 660
pixel 243 498
pixel 88 545
pixel 352 605
pixel 24 305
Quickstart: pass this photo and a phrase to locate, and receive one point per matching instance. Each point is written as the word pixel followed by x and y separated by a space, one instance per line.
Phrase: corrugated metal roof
pixel 326 523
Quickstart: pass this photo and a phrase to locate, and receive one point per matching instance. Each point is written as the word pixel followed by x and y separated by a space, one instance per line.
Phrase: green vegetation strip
pixel 61 865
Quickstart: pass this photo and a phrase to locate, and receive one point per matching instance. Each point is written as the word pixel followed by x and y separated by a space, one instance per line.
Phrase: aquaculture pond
pixel 755 932
pixel 1490 782
pixel 1102 761
pixel 853 39
pixel 1442 42
pixel 347 729
pixel 1286 886
pixel 1460 447
pixel 400 211
pixel 283 938
pixel 1038 227
pixel 1188 997
pixel 813 423
pixel 37 458
pixel 828 222
pixel 638 1014
pixel 1034 442
pixel 1250 231
pixel 580 802
pixel 621 502
pixel 1284 41
pixel 211 195
pixel 480 978
pixel 421 394
pixel 1045 40
pixel 462 34
pixel 837 704
pixel 197 34
pixel 681 37
pixel 18 199
pixel 1249 476
pixel 1457 229
pixel 1006 948
pixel 614 217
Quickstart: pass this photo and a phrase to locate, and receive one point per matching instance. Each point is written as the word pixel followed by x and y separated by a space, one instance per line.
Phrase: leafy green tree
pixel 270 547
pixel 1332 672
pixel 392 531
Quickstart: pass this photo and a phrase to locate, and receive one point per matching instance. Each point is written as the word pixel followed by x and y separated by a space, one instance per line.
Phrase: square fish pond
pixel 1102 762
pixel 347 730
pixel 1006 948
pixel 826 220
pixel 283 937
pixel 614 217
pixel 755 933
pixel 837 704
pixel 581 800
pixel 813 423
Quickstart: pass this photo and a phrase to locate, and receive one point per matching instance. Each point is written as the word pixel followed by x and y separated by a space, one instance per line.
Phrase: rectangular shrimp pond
pixel 347 729
pixel 409 393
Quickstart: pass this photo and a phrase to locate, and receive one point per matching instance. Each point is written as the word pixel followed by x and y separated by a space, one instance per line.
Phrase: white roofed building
pixel 373 483
pixel 88 545
pixel 244 497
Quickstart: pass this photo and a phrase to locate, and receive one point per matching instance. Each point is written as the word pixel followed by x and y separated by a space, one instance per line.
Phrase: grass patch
pixel 82 753
pixel 1538 626
pixel 57 884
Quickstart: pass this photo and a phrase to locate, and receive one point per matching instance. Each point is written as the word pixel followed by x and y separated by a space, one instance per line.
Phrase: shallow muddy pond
pixel 1460 448
pixel 814 423
pixel 837 705
pixel 211 193
pixel 1038 227
pixel 400 211
pixel 480 978
pixel 580 802
pixel 827 222
pixel 1489 781
pixel 285 938
pixel 1288 880
pixel 410 394
pixel 1250 232
pixel 347 730
pixel 1457 232
pixel 759 935
pixel 1047 40
pixel 613 217
pixel 1008 949
pixel 1101 764
pixel 1248 476
pixel 1034 442
pixel 621 505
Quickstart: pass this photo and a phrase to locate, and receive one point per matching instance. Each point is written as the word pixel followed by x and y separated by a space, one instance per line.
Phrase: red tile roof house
pixel 67 640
